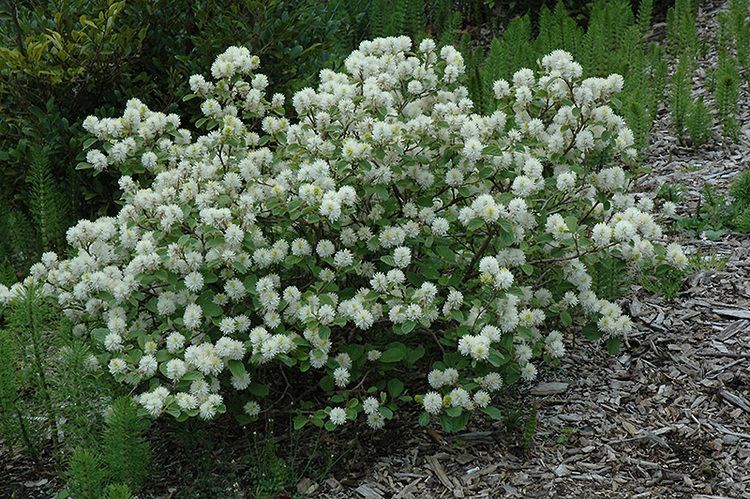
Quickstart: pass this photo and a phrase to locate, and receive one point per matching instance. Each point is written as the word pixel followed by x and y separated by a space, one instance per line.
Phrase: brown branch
pixel 573 257
pixel 478 255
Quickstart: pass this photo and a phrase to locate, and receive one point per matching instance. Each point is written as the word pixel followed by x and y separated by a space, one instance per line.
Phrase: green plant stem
pixel 25 436
pixel 40 370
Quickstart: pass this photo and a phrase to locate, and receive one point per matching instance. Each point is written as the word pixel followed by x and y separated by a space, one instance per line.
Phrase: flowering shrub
pixel 388 244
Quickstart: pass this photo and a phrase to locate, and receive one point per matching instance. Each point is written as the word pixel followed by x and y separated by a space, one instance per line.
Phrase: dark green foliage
pixel 78 389
pixel 19 246
pixel 610 277
pixel 716 214
pixel 713 208
pixel 28 334
pixel 734 33
pixel 663 280
pixel 271 474
pixel 712 216
pixel 450 33
pixel 415 18
pixel 740 190
pixel 507 54
pixel 679 94
pixel 125 452
pixel 681 33
pixel 741 221
pixel 557 30
pixel 473 59
pixel 606 48
pixel 52 396
pixel 529 429
pixel 491 70
pixel 439 14
pixel 699 123
pixel 726 95
pixel 118 457
pixel 85 474
pixel 117 491
pixel 45 202
pixel 673 192
pixel 645 13
pixel 656 77
pixel 725 38
pixel 14 425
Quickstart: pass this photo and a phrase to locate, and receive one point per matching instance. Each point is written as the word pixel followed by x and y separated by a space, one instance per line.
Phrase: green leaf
pixel 385 411
pixel 99 334
pixel 475 224
pixel 299 422
pixel 242 419
pixel 457 315
pixel 192 376
pixel 447 423
pixel 505 235
pixel 394 354
pixel 414 354
pixel 497 359
pixel 388 260
pixel 162 356
pixel 613 345
pixel 493 412
pixel 395 387
pixel 591 331
pixel 408 326
pixel 258 390
pixel 424 418
pixel 454 411
pixel 237 368
pixel 565 318
pixel 445 253
pixel 326 383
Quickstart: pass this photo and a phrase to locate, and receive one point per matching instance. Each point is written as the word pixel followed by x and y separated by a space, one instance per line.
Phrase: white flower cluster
pixel 388 220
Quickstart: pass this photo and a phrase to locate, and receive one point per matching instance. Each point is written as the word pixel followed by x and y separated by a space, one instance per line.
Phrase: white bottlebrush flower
pixel 252 408
pixel 341 377
pixel 402 257
pixel 175 341
pixel 482 398
pixel 669 209
pixel 192 316
pixel 337 416
pixel 176 369
pixel 432 402
pixel 370 405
